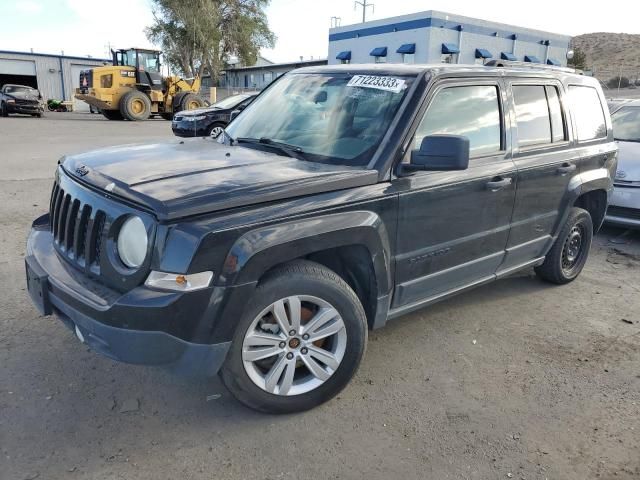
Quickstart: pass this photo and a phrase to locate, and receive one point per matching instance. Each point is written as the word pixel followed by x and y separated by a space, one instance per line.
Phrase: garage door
pixel 19 72
pixel 78 105
pixel 17 67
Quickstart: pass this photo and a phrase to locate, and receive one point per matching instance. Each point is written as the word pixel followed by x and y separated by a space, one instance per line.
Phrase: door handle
pixel 566 168
pixel 498 183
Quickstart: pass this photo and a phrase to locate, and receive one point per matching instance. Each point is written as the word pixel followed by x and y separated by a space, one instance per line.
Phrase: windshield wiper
pixel 292 151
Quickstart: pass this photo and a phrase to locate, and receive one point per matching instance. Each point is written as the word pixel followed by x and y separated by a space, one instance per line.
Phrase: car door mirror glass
pixel 441 152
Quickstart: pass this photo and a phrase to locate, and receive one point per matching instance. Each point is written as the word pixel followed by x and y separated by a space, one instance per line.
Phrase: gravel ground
pixel 518 379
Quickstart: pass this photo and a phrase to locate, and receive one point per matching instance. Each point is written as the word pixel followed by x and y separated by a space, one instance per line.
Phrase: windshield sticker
pixel 389 84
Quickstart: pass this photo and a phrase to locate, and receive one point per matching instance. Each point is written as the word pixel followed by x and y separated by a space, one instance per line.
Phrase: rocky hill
pixel 607 53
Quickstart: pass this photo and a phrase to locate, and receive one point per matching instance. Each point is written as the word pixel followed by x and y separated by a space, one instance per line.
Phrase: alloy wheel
pixel 294 345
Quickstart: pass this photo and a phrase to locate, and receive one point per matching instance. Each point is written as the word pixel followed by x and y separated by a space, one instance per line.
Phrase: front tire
pixel 135 106
pixel 215 130
pixel 191 101
pixel 569 253
pixel 4 112
pixel 299 342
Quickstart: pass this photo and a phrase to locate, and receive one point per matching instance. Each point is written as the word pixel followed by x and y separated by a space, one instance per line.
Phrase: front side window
pixel 330 118
pixel 469 111
pixel 626 124
pixel 587 112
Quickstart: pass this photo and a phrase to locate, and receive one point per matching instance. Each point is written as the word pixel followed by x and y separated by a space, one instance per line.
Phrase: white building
pixel 435 37
pixel 56 76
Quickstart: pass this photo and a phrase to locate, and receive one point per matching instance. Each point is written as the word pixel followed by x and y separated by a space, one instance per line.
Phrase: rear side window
pixel 469 111
pixel 532 115
pixel 587 112
pixel 557 120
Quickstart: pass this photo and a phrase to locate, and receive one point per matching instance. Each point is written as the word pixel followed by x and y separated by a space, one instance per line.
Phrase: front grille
pixel 624 212
pixel 23 101
pixel 77 228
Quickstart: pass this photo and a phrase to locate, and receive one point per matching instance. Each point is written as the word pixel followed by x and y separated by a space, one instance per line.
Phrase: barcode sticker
pixel 389 84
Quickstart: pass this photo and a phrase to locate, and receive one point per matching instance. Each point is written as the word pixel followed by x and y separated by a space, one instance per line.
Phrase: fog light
pixel 179 282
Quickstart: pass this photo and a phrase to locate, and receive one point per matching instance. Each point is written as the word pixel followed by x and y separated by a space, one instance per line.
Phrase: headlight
pixel 11 100
pixel 133 242
pixel 197 118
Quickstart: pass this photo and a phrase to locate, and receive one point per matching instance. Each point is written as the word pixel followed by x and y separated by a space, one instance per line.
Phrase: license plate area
pixel 38 286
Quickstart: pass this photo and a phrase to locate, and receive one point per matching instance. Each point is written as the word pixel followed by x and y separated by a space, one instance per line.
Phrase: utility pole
pixel 364 4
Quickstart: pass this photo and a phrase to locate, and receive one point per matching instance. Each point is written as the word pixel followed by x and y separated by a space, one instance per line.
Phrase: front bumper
pixel 624 207
pixel 92 310
pixel 24 109
pixel 198 128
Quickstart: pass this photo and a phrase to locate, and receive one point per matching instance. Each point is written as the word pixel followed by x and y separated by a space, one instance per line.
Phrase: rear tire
pixel 569 253
pixel 112 115
pixel 135 106
pixel 167 115
pixel 340 329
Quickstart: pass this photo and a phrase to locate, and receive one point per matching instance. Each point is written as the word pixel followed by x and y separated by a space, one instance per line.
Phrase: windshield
pixel 329 118
pixel 148 61
pixel 19 89
pixel 626 124
pixel 230 102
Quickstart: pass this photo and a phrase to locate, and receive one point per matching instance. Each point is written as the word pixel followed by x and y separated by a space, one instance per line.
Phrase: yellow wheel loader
pixel 134 89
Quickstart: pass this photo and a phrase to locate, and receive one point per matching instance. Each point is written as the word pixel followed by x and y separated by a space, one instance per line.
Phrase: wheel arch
pixel 353 244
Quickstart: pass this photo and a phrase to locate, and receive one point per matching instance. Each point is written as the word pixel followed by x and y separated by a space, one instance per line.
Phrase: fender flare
pixel 259 250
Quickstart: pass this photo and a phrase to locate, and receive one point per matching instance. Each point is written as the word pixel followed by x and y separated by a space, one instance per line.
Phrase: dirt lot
pixel 518 379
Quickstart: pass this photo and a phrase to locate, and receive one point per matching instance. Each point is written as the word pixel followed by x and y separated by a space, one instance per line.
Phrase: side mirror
pixel 234 114
pixel 441 153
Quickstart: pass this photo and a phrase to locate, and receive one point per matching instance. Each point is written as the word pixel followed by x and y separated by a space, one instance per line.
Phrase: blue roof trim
pixel 482 53
pixel 407 48
pixel 508 56
pixel 53 55
pixel 441 23
pixel 379 52
pixel 346 55
pixel 551 61
pixel 531 59
pixel 450 48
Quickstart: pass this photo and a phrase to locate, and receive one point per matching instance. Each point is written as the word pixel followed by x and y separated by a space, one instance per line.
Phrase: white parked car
pixel 624 205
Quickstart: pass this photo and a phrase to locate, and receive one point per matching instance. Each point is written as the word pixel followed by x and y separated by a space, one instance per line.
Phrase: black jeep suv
pixel 342 198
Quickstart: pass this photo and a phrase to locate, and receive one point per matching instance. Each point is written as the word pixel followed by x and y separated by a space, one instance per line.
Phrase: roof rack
pixel 533 66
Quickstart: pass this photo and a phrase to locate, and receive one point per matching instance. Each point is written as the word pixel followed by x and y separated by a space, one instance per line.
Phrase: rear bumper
pixel 624 207
pixel 107 322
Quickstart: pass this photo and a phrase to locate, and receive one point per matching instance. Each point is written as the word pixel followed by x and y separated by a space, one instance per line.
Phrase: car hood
pixel 199 111
pixel 199 176
pixel 629 161
pixel 23 96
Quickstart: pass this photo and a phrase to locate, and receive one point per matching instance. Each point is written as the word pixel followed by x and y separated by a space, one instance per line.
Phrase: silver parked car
pixel 624 205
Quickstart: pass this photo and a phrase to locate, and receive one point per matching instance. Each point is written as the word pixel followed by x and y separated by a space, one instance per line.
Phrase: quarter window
pixel 587 112
pixel 469 111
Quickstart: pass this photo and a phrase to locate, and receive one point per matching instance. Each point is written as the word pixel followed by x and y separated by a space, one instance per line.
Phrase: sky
pixel 87 27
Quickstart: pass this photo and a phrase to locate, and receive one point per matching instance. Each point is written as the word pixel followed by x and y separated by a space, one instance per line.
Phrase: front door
pixel 453 226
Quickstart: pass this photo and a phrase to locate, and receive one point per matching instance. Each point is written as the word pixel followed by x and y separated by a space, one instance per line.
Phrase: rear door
pixel 453 226
pixel 546 162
